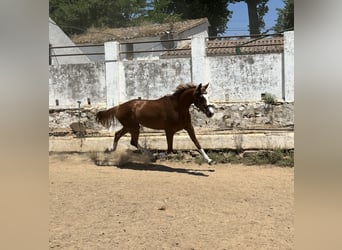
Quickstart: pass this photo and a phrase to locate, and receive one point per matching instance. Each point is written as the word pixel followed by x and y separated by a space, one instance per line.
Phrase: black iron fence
pixel 218 45
pixel 54 51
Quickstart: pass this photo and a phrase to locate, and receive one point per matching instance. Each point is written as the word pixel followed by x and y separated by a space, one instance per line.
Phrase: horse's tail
pixel 106 117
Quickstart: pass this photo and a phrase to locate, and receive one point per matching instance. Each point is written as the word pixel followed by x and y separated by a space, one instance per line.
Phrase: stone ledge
pixel 244 141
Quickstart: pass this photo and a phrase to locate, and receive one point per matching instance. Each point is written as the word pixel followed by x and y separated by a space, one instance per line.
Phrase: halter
pixel 208 108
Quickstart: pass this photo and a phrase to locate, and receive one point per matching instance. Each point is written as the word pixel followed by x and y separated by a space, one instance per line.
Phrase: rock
pixel 249 153
pixel 78 128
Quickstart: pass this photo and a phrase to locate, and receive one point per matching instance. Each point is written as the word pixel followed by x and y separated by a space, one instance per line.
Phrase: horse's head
pixel 201 101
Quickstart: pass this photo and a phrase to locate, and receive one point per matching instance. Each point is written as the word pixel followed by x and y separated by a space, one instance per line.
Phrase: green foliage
pixel 262 10
pixel 285 19
pixel 160 12
pixel 225 157
pixel 269 98
pixel 282 158
pixel 70 13
pixel 216 11
pixel 277 157
pixel 76 16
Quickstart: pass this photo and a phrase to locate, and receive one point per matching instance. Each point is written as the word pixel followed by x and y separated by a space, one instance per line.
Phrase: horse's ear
pixel 199 89
pixel 204 89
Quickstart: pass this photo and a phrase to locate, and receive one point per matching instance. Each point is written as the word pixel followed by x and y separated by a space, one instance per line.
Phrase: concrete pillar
pixel 198 60
pixel 289 66
pixel 115 83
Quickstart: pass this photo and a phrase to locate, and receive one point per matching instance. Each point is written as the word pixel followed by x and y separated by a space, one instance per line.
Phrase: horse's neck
pixel 187 98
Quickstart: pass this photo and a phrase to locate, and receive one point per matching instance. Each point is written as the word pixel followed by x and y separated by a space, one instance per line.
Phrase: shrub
pixel 268 98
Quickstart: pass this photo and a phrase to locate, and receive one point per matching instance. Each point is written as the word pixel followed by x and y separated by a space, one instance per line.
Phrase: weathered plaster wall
pixel 244 77
pixel 150 79
pixel 289 65
pixel 237 78
pixel 69 83
pixel 232 78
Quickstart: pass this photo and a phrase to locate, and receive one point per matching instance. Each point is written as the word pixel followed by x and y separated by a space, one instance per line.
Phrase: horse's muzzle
pixel 209 111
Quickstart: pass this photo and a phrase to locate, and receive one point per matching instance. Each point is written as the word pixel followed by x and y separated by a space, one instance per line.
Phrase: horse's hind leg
pixel 118 135
pixel 135 141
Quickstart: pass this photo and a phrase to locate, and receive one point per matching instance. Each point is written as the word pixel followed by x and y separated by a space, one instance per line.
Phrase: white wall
pixel 150 79
pixel 289 65
pixel 244 77
pixel 232 78
pixel 69 83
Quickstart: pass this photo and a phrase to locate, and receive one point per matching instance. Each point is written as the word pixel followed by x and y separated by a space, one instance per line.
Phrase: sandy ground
pixel 169 205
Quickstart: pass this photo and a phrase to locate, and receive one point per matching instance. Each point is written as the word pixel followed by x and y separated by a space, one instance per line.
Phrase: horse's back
pixel 138 111
pixel 156 114
pixel 126 109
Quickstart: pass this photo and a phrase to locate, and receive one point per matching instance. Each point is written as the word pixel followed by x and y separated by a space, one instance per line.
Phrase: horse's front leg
pixel 169 139
pixel 191 132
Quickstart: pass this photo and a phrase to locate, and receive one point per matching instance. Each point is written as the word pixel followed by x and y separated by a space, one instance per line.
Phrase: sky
pixel 238 23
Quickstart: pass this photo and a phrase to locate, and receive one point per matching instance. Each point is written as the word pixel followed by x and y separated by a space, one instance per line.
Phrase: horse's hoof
pixel 108 150
pixel 211 162
pixel 162 155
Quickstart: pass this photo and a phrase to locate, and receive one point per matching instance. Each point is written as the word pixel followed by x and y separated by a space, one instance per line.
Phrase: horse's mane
pixel 182 87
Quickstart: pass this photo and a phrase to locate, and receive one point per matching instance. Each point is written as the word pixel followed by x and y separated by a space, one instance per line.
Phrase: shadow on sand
pixel 130 160
pixel 158 167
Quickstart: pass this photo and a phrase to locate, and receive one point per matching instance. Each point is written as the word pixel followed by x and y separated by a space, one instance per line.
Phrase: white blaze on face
pixel 206 98
pixel 211 109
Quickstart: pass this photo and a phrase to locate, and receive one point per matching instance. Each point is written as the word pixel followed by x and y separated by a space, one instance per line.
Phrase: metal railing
pixel 252 39
pixel 53 48
pixel 130 51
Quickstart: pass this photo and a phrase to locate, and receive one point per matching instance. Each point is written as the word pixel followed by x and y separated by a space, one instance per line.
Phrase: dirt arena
pixel 169 205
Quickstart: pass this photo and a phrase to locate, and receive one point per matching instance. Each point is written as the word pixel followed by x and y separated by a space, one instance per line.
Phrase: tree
pixel 69 14
pixel 75 16
pixel 256 12
pixel 216 12
pixel 285 20
pixel 160 11
pixel 175 10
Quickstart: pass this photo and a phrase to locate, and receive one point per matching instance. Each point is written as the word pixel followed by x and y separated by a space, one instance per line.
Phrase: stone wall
pixel 249 115
pixel 254 115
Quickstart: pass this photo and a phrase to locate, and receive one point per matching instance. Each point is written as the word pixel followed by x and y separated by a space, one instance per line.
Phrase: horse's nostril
pixel 211 109
pixel 210 115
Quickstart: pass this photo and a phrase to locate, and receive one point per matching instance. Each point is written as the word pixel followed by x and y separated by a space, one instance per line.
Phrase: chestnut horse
pixel 169 113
